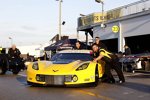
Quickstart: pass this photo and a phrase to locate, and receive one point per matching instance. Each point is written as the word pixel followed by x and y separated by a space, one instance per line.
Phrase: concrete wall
pixel 105 33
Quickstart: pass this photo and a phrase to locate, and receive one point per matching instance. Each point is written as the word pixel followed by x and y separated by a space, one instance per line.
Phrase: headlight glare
pixel 35 66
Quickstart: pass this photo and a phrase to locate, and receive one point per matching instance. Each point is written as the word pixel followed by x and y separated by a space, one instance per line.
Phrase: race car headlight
pixel 35 66
pixel 82 67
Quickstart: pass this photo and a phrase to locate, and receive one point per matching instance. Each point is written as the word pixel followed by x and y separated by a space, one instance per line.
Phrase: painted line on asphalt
pixel 144 95
pixel 132 74
pixel 94 95
pixel 22 75
pixel 127 93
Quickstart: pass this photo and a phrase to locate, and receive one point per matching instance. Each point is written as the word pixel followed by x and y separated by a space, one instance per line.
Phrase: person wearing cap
pixel 111 62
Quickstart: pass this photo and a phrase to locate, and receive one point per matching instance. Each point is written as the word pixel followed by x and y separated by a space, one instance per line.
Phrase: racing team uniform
pixel 111 62
pixel 14 56
pixel 101 45
pixel 14 53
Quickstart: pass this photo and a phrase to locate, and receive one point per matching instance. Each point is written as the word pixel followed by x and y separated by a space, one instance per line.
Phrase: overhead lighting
pixel 99 1
pixel 82 15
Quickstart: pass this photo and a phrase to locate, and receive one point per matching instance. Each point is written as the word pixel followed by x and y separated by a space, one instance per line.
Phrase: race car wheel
pixel 2 71
pixel 30 83
pixel 15 71
pixel 34 84
pixel 96 77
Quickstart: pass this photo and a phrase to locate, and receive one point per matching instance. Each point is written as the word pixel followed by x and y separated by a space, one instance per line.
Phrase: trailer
pixel 132 63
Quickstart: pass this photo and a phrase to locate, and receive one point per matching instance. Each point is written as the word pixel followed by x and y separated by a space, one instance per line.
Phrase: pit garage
pixel 112 44
pixel 128 25
pixel 139 44
pixel 132 22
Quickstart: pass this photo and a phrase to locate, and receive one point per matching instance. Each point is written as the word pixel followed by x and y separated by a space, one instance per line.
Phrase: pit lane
pixel 14 87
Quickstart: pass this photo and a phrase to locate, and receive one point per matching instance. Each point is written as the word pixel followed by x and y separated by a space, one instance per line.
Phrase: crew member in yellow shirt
pixel 111 62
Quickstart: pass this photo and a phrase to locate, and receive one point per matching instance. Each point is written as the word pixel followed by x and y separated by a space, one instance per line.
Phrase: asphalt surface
pixel 137 87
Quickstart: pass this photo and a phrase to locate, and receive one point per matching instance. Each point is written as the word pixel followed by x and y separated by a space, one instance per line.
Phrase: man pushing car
pixel 111 62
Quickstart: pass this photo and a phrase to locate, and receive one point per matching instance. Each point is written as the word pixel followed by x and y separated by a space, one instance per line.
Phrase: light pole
pixel 60 15
pixel 102 2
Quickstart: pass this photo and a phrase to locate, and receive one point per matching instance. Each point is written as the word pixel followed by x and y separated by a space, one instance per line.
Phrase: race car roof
pixel 76 51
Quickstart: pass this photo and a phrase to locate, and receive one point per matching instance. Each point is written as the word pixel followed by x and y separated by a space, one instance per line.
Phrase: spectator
pixel 14 56
pixel 127 50
pixel 14 52
pixel 78 46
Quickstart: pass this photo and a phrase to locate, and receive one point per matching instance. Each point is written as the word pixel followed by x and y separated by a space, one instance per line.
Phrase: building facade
pixel 124 25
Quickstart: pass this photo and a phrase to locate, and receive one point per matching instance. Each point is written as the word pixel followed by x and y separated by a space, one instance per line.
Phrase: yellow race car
pixel 68 67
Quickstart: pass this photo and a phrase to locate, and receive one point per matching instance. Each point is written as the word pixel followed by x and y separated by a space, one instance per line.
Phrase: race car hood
pixel 58 67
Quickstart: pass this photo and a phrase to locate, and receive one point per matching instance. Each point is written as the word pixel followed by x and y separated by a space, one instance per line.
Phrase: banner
pixel 91 19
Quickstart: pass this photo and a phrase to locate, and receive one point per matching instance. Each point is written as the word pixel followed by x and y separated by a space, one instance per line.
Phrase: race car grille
pixel 51 79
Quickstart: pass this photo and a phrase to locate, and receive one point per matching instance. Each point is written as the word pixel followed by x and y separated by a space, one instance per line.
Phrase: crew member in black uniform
pixel 14 52
pixel 127 50
pixel 99 43
pixel 14 56
pixel 111 62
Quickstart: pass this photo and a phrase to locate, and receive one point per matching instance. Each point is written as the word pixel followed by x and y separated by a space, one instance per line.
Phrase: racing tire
pixel 16 71
pixel 147 66
pixel 96 77
pixel 34 84
pixel 125 69
pixel 2 71
pixel 31 84
pixel 129 68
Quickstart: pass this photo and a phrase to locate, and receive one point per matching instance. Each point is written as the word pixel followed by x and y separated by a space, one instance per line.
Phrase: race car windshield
pixel 71 57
